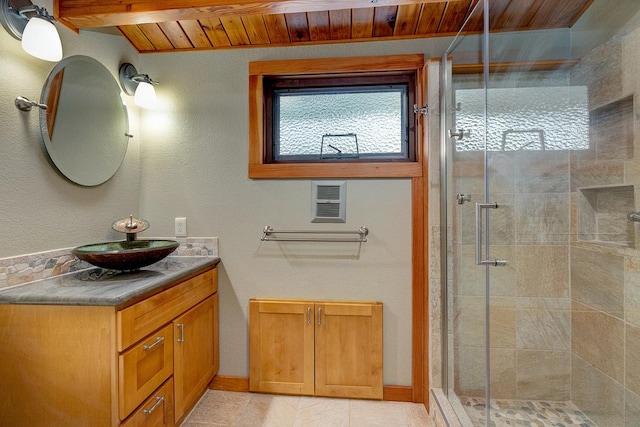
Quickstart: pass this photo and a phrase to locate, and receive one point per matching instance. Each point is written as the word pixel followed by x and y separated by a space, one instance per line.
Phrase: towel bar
pixel 268 235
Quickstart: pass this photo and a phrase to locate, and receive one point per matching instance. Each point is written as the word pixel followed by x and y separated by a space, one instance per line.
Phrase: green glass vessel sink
pixel 125 255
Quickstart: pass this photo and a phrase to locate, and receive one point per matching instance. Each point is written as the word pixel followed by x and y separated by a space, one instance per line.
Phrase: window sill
pixel 334 170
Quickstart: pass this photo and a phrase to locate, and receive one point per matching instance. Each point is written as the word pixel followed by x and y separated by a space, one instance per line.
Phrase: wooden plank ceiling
pixel 169 26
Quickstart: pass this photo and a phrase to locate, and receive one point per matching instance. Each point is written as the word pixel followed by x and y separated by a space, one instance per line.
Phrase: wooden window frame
pixel 259 168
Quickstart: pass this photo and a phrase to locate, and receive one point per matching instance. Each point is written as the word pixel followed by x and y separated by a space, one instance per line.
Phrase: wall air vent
pixel 328 201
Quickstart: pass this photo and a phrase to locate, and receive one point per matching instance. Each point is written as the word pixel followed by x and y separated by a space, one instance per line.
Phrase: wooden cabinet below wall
pixel 322 348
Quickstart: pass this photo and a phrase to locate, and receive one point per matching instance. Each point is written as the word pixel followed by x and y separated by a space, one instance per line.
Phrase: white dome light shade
pixel 145 96
pixel 41 39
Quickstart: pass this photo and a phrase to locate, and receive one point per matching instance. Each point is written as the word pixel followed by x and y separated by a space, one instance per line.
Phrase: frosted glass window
pixel 333 120
pixel 525 118
pixel 357 123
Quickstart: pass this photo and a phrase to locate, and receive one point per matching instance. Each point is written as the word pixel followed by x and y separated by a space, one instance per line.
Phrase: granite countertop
pixel 97 286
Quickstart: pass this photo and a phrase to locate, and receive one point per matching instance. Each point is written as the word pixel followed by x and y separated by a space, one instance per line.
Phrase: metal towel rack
pixel 270 235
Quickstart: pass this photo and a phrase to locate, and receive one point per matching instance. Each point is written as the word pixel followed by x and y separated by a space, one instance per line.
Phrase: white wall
pixel 194 164
pixel 39 209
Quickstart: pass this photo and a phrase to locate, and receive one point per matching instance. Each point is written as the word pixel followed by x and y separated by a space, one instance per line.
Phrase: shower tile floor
pixel 526 413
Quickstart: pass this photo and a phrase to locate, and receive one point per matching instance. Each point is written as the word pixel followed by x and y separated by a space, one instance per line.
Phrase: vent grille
pixel 328 192
pixel 328 210
pixel 328 201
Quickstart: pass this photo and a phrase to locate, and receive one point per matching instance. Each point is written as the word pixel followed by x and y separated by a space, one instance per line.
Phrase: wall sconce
pixel 34 26
pixel 139 84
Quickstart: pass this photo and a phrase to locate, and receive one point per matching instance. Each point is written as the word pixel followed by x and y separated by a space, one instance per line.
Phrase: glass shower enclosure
pixel 540 180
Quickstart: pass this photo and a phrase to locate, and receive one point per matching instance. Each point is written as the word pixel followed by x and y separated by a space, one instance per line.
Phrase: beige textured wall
pixel 39 209
pixel 194 164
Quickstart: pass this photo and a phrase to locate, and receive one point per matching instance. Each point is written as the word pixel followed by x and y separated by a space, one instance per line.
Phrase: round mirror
pixel 85 126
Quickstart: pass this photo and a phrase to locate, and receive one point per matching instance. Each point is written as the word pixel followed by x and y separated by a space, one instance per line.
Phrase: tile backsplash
pixel 22 269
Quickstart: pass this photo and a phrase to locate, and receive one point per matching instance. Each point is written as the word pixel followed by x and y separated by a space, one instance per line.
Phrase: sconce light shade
pixel 140 84
pixel 34 26
pixel 40 39
pixel 145 96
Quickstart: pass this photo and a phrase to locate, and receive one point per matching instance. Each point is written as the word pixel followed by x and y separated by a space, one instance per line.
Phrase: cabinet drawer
pixel 139 320
pixel 156 411
pixel 143 368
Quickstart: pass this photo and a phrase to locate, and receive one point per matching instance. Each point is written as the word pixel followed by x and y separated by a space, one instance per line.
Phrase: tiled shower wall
pixel 605 247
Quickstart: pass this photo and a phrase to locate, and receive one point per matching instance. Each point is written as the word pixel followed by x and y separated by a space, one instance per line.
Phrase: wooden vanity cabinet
pixel 321 348
pixel 183 321
pixel 145 364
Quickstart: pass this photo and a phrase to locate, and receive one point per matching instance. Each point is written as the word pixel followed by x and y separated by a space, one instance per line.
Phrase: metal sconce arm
pixel 24 104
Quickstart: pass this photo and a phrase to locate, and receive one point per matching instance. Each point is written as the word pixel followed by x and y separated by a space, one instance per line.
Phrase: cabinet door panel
pixel 349 350
pixel 281 337
pixel 196 353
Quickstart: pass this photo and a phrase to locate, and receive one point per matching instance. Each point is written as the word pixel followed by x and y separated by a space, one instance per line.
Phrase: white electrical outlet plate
pixel 181 227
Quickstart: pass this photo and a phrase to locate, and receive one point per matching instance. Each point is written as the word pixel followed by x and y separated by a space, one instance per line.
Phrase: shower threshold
pixel 525 413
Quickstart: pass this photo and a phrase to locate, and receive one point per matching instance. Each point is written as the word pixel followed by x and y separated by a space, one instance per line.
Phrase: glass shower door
pixel 509 134
pixel 535 120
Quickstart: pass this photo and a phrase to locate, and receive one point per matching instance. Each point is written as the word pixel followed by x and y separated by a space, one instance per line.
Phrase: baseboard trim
pixel 397 393
pixel 229 383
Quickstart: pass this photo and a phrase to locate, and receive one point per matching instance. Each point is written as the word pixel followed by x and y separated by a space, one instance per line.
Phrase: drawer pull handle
pixel 155 343
pixel 159 400
pixel 181 326
pixel 319 316
pixel 308 315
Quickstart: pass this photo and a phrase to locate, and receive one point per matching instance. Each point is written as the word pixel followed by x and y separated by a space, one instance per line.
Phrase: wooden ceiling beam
pixel 77 14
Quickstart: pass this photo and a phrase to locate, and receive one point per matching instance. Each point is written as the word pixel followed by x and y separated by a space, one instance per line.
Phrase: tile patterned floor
pixel 526 413
pixel 225 408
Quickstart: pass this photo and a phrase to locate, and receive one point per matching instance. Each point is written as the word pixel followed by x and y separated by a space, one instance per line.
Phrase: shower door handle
pixel 480 207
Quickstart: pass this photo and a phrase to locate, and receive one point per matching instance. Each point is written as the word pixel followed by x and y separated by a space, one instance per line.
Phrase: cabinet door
pixel 349 350
pixel 281 347
pixel 196 353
